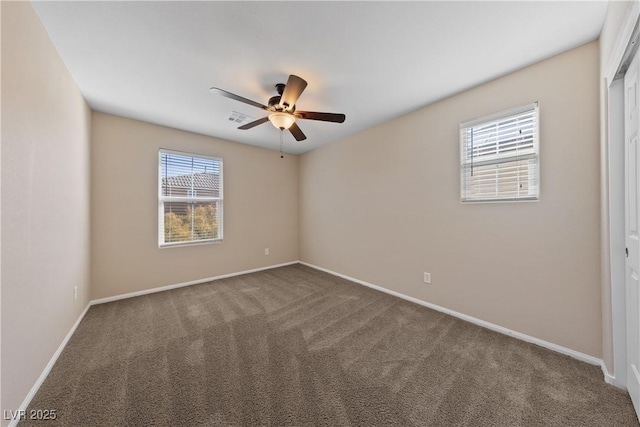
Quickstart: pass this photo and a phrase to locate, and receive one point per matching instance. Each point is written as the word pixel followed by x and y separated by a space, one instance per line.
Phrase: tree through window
pixel 190 198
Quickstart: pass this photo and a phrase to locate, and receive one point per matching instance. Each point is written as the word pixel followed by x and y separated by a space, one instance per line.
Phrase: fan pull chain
pixel 281 143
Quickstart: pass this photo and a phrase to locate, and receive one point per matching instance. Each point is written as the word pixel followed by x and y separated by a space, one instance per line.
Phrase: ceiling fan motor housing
pixel 274 101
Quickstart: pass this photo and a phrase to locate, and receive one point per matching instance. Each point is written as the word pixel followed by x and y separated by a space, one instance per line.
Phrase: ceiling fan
pixel 282 108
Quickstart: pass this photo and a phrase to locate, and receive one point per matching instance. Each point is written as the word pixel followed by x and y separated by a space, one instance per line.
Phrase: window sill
pixel 194 243
pixel 522 199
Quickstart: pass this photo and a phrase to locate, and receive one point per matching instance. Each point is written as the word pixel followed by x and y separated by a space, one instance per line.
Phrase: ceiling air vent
pixel 239 118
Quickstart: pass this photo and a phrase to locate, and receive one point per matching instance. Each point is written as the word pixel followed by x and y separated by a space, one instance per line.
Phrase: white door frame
pixel 612 197
pixel 616 231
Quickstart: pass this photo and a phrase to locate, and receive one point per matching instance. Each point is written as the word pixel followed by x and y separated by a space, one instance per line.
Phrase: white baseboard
pixel 524 337
pixel 608 378
pixel 47 369
pixel 183 284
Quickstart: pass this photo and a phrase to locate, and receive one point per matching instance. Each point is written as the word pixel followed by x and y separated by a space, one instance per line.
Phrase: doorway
pixel 622 100
pixel 632 226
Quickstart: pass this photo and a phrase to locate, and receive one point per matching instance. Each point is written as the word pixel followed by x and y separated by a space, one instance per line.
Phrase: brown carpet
pixel 297 347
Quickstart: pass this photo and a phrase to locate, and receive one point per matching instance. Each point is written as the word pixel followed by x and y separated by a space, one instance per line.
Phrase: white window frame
pixel 465 163
pixel 162 199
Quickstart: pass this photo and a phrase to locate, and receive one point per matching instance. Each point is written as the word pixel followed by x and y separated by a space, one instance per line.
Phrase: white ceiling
pixel 373 61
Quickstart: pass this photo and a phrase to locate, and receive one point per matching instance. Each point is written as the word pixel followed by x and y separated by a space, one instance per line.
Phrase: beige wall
pixel 45 201
pixel 260 208
pixel 384 206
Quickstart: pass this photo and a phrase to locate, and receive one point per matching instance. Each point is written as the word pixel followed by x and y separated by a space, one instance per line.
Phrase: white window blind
pixel 190 198
pixel 499 156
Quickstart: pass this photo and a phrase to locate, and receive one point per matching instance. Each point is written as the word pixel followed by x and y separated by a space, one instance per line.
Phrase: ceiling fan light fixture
pixel 282 120
pixel 282 108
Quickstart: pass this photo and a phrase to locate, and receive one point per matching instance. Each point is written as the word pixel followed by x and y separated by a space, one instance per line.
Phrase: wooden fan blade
pixel 297 132
pixel 293 89
pixel 325 117
pixel 237 98
pixel 254 123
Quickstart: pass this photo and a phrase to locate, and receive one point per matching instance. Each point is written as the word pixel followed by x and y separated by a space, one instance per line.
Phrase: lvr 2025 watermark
pixel 32 414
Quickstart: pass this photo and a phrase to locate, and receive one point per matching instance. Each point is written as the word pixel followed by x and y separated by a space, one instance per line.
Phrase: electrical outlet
pixel 427 277
pixel 266 251
pixel 75 293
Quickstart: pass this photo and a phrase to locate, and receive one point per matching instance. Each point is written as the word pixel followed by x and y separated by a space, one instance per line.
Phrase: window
pixel 499 156
pixel 190 199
